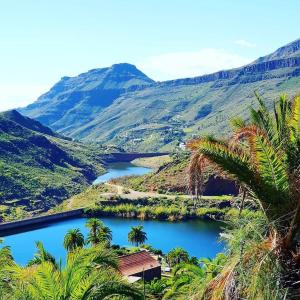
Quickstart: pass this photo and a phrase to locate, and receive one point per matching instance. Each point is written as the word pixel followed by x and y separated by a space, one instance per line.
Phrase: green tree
pixel 98 232
pixel 185 278
pixel 176 256
pixel 94 225
pixel 88 274
pixel 189 279
pixel 73 239
pixel 105 235
pixel 5 255
pixel 42 256
pixel 263 155
pixel 137 236
pixel 6 259
pixel 157 287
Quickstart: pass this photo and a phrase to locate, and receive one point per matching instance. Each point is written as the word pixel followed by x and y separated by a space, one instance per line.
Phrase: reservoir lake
pixel 200 238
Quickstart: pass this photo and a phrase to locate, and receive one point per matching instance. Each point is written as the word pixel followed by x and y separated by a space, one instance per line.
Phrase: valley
pixel 113 145
pixel 149 150
pixel 124 192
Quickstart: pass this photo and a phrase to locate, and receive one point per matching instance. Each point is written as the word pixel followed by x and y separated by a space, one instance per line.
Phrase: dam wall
pixel 23 224
pixel 127 157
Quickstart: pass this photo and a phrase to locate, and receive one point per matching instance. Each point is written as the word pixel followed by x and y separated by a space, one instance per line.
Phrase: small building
pixel 139 265
pixel 182 146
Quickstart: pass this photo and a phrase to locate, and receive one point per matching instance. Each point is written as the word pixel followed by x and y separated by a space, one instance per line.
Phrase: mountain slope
pixel 161 114
pixel 74 101
pixel 39 169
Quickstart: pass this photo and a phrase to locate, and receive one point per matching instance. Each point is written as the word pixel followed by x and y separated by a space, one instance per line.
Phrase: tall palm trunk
pixel 293 228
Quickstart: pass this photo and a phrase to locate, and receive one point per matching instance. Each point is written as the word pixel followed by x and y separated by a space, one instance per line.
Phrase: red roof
pixel 137 262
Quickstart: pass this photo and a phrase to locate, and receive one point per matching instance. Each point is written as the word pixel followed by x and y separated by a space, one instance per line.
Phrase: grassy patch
pixel 152 162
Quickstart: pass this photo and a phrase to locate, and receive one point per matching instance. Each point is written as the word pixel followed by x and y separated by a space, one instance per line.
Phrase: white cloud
pixel 245 43
pixel 18 95
pixel 190 64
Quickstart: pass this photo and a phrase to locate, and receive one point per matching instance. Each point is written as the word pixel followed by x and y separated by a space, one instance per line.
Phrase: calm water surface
pixel 199 238
pixel 121 169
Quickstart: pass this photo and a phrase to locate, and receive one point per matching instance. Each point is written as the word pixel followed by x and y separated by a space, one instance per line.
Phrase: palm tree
pixel 88 274
pixel 185 277
pixel 137 236
pixel 42 256
pixel 99 233
pixel 6 259
pixel 105 235
pixel 94 225
pixel 189 279
pixel 5 255
pixel 177 256
pixel 73 239
pixel 157 287
pixel 264 156
pixel 213 267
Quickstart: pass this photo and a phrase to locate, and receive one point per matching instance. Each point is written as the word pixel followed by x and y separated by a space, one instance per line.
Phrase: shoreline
pixel 9 228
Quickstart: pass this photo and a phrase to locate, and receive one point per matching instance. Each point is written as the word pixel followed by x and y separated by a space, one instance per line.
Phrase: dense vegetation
pixel 38 168
pixel 91 267
pixel 90 272
pixel 171 210
pixel 263 155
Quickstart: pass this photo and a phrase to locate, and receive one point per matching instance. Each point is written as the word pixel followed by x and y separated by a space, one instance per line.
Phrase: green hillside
pixel 74 101
pixel 39 169
pixel 149 116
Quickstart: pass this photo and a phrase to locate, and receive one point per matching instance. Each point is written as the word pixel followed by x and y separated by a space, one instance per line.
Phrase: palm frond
pixel 294 122
pixel 237 123
pixel 235 162
pixel 271 166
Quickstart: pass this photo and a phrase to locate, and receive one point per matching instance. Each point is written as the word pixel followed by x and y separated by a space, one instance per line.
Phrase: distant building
pixel 139 265
pixel 182 146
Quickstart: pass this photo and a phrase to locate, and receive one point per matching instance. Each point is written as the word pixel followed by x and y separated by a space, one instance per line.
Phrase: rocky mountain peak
pixel 290 50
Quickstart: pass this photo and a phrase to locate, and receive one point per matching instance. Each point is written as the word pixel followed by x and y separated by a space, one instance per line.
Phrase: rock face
pixel 218 186
pixel 121 105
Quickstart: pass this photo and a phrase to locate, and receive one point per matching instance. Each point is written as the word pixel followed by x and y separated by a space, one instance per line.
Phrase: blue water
pixel 121 169
pixel 199 238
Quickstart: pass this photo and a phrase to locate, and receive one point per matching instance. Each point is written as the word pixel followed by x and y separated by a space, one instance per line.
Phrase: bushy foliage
pixel 89 273
pixel 263 156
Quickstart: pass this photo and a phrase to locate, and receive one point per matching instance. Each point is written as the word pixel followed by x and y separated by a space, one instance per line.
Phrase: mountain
pixel 148 116
pixel 74 101
pixel 39 168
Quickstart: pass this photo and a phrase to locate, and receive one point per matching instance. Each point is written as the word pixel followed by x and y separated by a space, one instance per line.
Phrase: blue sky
pixel 41 41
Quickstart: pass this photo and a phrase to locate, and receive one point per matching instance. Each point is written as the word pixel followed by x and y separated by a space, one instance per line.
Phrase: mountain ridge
pixel 92 90
pixel 159 115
